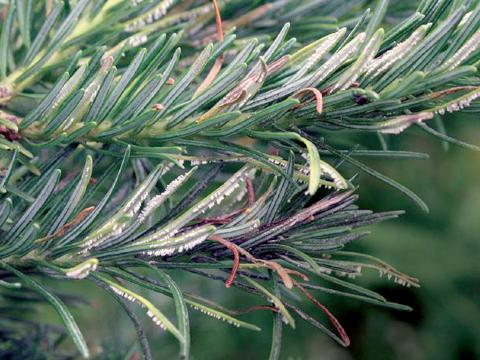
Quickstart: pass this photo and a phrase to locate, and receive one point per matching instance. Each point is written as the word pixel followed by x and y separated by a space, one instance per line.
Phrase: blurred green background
pixel 441 249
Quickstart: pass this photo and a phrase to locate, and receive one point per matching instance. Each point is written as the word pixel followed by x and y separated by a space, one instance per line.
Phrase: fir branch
pixel 132 101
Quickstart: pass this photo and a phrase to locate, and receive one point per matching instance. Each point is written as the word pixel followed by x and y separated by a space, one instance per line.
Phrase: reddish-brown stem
pixel 451 91
pixel 218 20
pixel 333 320
pixel 236 258
pixel 318 97
pixel 282 272
pixel 250 191
pixel 298 273
pixel 217 66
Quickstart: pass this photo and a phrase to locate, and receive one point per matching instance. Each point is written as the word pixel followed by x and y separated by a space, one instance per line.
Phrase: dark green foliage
pixel 124 154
